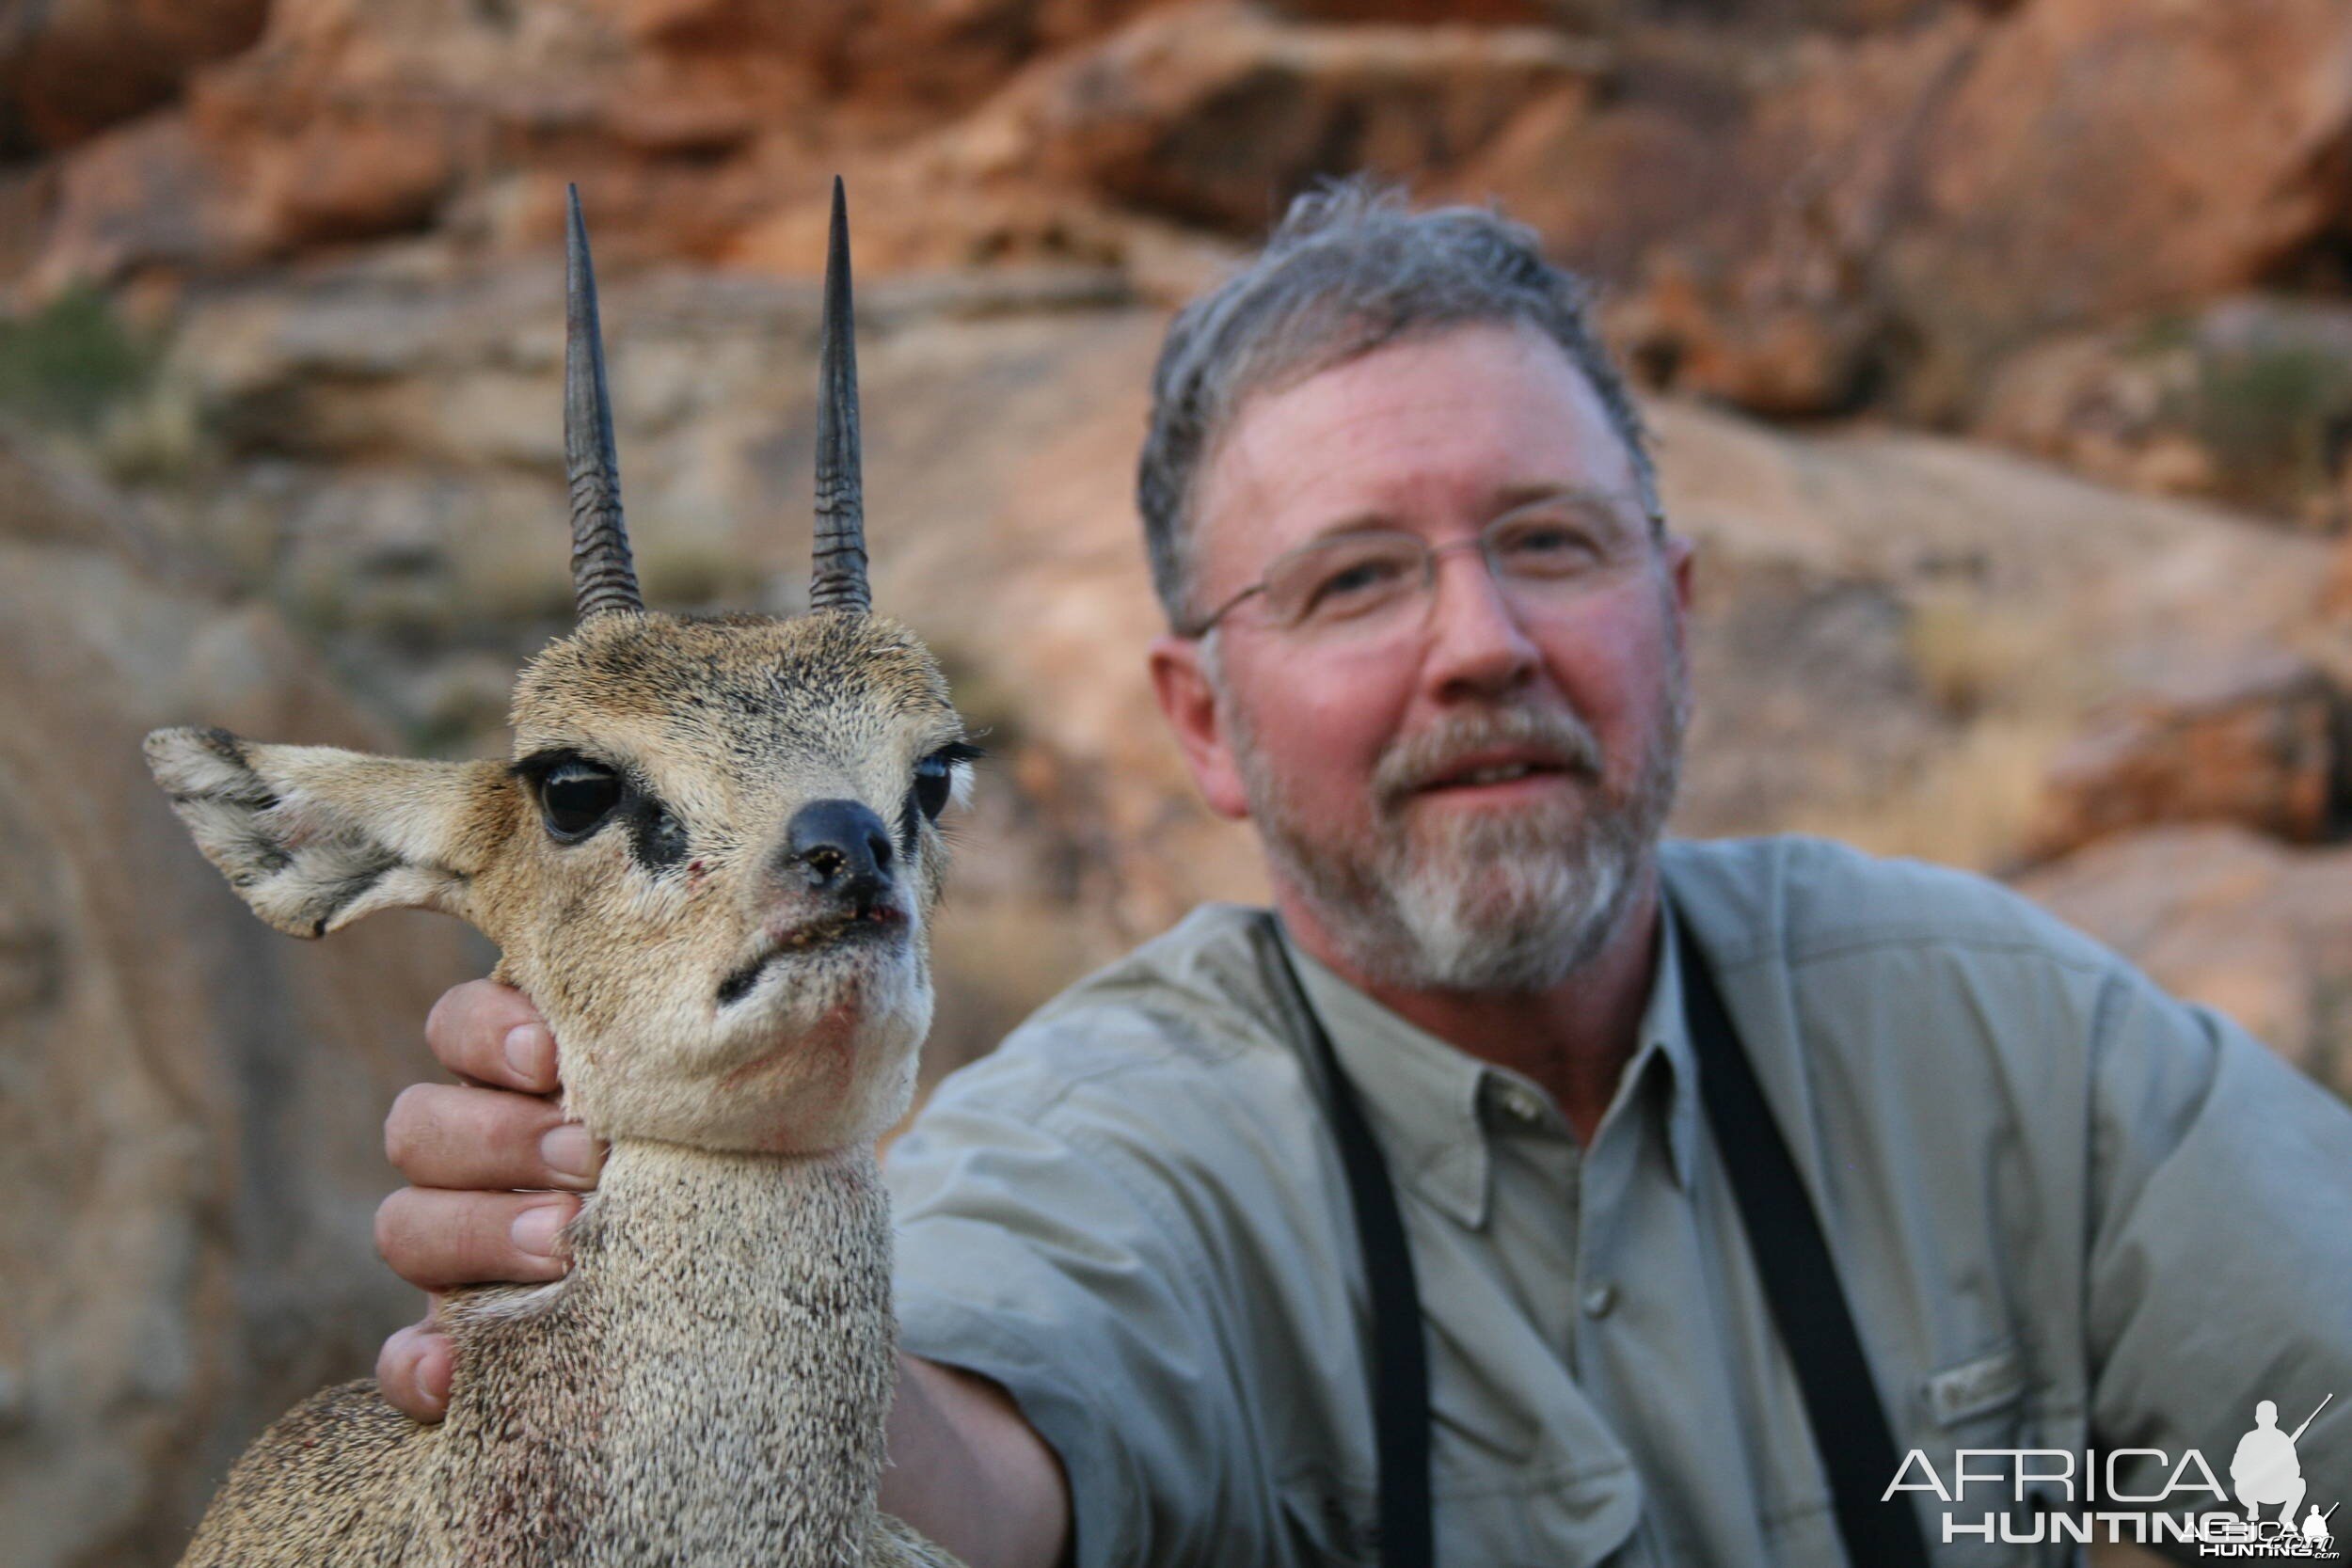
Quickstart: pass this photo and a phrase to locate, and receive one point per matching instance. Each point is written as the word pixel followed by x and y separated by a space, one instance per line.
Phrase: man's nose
pixel 1477 642
pixel 839 848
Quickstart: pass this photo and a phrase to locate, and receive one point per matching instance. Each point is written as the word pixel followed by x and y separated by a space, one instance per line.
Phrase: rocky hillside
pixel 1999 350
pixel 189 1105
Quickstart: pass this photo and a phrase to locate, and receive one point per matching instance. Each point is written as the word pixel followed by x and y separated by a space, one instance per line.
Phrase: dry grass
pixel 1969 806
pixel 1972 654
pixel 996 961
pixel 2014 693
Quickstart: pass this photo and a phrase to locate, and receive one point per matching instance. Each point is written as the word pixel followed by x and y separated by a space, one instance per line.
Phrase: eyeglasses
pixel 1372 580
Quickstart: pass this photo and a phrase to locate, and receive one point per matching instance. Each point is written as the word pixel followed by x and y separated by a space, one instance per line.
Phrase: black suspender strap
pixel 1808 1305
pixel 1400 1372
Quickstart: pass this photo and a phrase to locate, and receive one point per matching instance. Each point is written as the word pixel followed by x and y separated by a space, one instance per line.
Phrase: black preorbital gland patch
pixel 909 823
pixel 655 836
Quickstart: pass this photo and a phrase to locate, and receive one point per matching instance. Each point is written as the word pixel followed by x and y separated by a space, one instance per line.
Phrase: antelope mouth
pixel 876 924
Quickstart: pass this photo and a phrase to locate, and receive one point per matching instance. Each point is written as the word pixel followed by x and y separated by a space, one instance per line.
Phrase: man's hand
pixel 466 1148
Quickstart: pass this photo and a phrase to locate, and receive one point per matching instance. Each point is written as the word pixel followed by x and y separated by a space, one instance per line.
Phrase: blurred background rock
pixel 2000 355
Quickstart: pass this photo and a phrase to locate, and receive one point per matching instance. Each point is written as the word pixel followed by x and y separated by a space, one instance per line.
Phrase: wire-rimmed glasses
pixel 1364 581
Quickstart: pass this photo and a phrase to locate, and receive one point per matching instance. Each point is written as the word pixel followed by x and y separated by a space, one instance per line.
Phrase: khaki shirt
pixel 2063 1204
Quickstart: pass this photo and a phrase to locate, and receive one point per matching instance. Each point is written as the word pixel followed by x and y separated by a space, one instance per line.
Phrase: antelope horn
pixel 603 580
pixel 838 581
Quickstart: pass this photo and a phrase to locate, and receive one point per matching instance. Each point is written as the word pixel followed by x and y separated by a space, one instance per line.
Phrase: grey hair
pixel 1350 268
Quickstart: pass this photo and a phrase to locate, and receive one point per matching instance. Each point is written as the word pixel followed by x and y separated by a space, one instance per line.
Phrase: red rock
pixel 149 194
pixel 1822 218
pixel 2258 742
pixel 2220 916
pixel 1216 113
pixel 69 70
pixel 2062 181
pixel 191 1133
pixel 918 61
pixel 352 179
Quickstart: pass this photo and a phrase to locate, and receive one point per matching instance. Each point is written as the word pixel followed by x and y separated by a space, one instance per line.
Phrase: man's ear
pixel 313 837
pixel 1679 550
pixel 1188 698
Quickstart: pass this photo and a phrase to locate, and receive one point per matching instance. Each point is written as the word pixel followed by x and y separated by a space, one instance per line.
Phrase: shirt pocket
pixel 1981 1404
pixel 1978 1403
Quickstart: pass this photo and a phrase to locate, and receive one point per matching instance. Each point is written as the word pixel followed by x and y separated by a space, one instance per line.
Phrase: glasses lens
pixel 1546 547
pixel 1350 578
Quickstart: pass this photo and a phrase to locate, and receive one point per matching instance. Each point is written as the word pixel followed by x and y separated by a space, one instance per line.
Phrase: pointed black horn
pixel 839 580
pixel 603 579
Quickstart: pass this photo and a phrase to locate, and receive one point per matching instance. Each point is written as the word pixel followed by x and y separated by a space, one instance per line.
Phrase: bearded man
pixel 1984 1188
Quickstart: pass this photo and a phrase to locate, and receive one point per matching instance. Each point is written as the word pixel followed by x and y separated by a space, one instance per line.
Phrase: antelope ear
pixel 313 837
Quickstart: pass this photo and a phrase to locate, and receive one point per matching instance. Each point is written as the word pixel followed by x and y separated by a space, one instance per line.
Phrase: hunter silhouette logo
pixel 2266 1471
pixel 2315 1528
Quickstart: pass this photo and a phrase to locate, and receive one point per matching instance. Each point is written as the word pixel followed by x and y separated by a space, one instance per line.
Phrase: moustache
pixel 1554 739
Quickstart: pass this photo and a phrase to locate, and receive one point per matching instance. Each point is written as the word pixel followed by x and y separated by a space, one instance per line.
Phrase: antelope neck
pixel 718 1365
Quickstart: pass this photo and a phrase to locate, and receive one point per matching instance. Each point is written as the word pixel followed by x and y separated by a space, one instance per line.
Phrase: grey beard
pixel 1497 904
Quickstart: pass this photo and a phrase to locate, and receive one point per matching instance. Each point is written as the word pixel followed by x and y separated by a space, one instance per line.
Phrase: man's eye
pixel 576 797
pixel 1354 587
pixel 1544 550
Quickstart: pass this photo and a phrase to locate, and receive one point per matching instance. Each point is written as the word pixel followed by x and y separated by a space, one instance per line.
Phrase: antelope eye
pixel 934 780
pixel 576 797
pixel 935 777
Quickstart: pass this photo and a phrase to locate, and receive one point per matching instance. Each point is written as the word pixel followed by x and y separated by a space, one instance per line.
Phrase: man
pixel 2264 1469
pixel 1430 639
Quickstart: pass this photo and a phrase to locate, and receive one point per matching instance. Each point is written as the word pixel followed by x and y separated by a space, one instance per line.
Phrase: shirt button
pixel 1599 1300
pixel 1523 1105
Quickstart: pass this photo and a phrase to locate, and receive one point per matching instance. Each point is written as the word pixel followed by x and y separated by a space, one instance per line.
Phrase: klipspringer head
pixel 713 858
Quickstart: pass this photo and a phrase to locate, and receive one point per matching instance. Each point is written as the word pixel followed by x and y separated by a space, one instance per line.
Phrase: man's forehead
pixel 1470 420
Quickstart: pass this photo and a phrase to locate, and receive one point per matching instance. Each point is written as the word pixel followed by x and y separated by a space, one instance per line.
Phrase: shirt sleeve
pixel 1042 1241
pixel 2221 1259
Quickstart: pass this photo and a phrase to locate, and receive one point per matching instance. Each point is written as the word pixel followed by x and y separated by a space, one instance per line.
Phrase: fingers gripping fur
pixel 313 837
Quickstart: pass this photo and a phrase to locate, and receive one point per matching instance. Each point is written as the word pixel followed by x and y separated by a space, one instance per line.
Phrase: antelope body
pixel 711 863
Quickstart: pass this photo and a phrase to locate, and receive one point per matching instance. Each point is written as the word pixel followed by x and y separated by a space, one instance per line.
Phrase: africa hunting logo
pixel 2264 1511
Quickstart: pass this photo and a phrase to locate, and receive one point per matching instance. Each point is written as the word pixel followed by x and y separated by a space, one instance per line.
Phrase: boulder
pixel 1805 221
pixel 2221 916
pixel 69 70
pixel 684 121
pixel 1897 635
pixel 904 60
pixel 1217 113
pixel 1737 194
pixel 190 1104
pixel 2258 740
pixel 1803 206
pixel 2054 184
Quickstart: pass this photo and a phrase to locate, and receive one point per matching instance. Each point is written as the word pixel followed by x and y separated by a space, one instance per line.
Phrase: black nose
pixel 839 846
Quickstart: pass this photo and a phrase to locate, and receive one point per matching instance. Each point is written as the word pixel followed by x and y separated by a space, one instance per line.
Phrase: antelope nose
pixel 837 846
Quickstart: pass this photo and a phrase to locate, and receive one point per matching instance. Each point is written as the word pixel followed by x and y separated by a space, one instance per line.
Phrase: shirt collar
pixel 1430 1102
pixel 1419 1093
pixel 1666 1040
